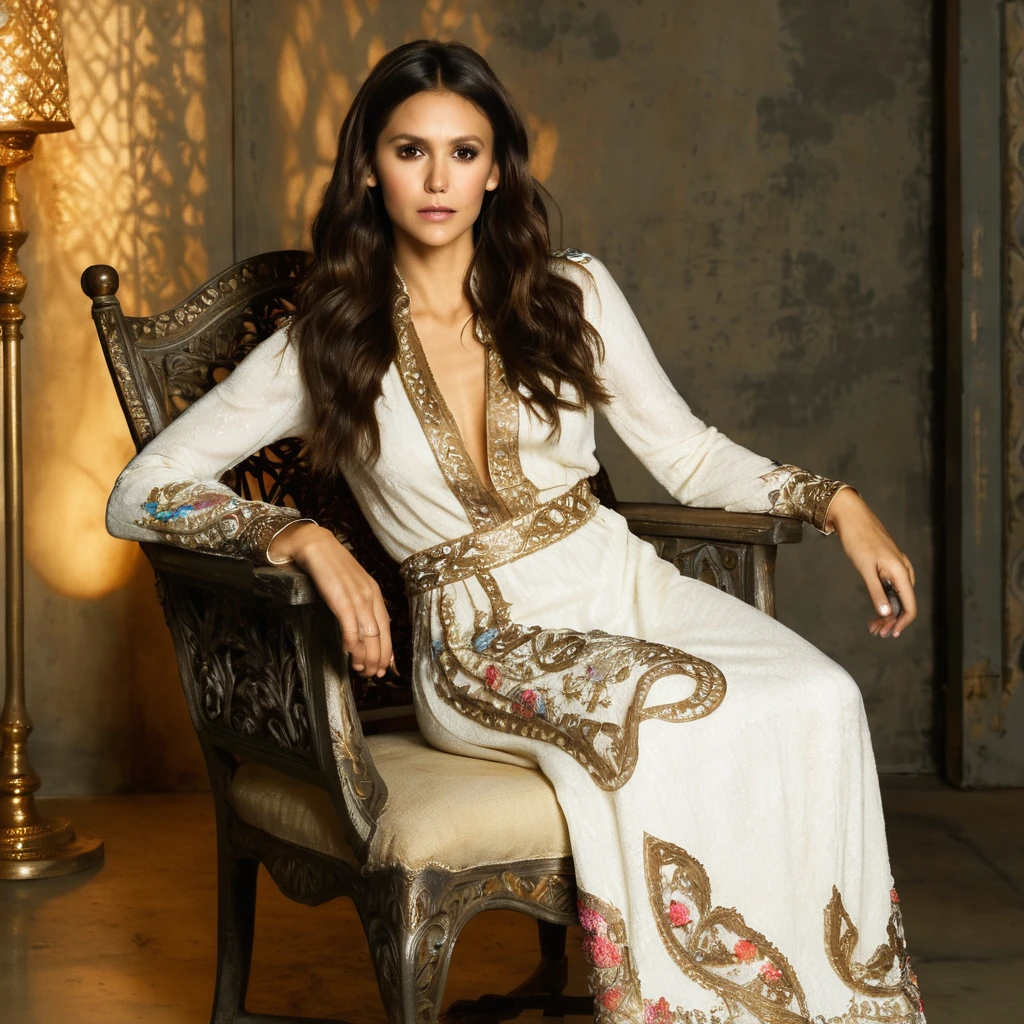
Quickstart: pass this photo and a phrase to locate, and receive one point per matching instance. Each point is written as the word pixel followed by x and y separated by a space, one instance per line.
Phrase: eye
pixel 466 153
pixel 408 152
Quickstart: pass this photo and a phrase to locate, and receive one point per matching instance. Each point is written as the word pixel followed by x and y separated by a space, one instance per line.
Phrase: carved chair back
pixel 161 364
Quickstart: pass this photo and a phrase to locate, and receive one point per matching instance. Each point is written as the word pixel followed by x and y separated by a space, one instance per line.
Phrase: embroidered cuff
pixel 199 517
pixel 801 495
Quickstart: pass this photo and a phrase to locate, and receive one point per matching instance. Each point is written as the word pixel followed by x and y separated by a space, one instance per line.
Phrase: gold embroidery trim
pixel 552 685
pixel 514 493
pixel 800 494
pixel 714 946
pixel 487 549
pixel 517 493
pixel 193 515
pixel 612 978
pixel 887 972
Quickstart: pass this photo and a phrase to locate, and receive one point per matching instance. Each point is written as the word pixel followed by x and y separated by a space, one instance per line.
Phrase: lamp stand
pixel 30 846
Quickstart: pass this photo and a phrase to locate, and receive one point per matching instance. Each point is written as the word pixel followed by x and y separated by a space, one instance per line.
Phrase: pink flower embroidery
pixel 492 676
pixel 530 697
pixel 610 999
pixel 769 972
pixel 894 896
pixel 601 951
pixel 678 913
pixel 657 1013
pixel 522 710
pixel 591 920
pixel 745 951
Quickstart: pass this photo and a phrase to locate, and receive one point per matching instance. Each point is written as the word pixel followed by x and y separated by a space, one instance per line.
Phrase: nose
pixel 437 179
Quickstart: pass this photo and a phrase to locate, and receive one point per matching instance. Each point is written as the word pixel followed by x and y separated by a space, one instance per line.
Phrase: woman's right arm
pixel 172 492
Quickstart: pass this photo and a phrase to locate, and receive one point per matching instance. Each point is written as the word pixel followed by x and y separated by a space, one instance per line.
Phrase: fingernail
pixel 895 634
pixel 884 609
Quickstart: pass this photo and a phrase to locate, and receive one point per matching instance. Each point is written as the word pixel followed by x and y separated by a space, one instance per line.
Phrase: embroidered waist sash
pixel 482 550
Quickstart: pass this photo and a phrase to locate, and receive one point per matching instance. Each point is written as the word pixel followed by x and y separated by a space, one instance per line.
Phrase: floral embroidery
pixel 612 977
pixel 764 993
pixel 800 494
pixel 745 951
pixel 887 972
pixel 197 516
pixel 657 1013
pixel 583 692
pixel 678 914
pixel 769 992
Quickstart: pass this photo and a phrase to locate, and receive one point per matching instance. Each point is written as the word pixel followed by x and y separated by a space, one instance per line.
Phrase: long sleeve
pixel 172 491
pixel 695 462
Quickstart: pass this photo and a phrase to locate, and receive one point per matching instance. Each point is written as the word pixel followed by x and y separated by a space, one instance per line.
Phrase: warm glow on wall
pixel 117 190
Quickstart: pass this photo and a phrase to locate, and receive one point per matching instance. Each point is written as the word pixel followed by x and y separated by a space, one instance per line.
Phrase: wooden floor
pixel 135 940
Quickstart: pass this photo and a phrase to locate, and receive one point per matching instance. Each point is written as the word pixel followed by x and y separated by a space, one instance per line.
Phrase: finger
pixel 369 633
pixel 345 613
pixel 909 600
pixel 877 593
pixel 384 625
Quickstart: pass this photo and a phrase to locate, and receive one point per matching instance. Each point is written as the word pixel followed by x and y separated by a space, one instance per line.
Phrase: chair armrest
pixel 284 584
pixel 265 676
pixel 712 524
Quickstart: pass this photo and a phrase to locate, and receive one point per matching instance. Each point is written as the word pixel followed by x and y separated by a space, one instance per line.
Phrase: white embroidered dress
pixel 714 768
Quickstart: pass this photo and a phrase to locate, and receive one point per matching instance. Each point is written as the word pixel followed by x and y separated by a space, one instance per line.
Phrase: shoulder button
pixel 576 255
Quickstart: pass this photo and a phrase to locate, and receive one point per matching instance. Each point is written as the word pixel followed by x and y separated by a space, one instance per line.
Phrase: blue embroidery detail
pixel 437 646
pixel 484 640
pixel 180 512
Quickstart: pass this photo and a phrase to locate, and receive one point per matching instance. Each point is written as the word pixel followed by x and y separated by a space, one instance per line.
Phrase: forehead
pixel 438 115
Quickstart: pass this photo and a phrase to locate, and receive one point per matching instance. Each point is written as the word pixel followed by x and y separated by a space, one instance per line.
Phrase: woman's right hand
pixel 350 591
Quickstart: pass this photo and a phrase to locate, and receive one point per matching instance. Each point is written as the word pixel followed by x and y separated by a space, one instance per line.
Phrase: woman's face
pixel 434 161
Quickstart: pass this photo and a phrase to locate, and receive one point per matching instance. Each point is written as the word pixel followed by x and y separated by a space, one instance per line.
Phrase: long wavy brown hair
pixel 343 324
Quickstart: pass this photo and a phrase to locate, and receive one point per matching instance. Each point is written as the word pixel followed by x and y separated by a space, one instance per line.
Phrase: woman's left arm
pixel 702 467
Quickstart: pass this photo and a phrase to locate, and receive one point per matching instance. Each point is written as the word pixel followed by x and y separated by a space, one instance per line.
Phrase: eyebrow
pixel 422 142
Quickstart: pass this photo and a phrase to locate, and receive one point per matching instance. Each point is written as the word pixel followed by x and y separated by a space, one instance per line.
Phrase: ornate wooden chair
pixel 305 762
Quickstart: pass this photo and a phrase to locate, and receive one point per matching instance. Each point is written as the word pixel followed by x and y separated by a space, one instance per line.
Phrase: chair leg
pixel 552 940
pixel 236 919
pixel 410 960
pixel 552 973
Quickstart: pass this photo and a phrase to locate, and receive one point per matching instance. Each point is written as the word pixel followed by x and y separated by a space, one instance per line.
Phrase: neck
pixel 434 274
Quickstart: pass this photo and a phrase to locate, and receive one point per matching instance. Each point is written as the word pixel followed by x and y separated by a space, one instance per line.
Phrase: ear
pixel 371 179
pixel 492 178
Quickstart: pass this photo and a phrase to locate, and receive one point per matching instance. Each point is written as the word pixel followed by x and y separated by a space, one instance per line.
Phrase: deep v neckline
pixel 445 409
pixel 510 493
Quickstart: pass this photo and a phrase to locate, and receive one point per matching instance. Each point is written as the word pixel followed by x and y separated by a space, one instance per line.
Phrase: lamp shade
pixel 33 70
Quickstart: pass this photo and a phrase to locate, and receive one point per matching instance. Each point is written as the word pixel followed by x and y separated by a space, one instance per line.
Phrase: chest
pixel 456 362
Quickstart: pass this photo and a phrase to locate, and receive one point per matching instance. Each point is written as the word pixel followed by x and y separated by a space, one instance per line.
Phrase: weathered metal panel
pixel 995 719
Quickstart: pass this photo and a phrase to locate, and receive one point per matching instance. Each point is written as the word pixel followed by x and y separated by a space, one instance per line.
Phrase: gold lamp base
pixel 47 849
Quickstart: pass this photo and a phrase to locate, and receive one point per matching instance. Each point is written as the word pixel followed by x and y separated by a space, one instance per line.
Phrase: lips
pixel 436 213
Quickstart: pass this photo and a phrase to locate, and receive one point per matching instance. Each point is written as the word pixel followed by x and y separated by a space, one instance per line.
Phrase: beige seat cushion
pixel 444 809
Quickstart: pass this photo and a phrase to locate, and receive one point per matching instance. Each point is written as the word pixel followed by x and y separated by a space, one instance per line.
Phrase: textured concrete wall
pixel 759 186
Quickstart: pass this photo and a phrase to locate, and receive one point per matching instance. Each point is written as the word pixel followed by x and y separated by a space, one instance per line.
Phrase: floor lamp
pixel 33 99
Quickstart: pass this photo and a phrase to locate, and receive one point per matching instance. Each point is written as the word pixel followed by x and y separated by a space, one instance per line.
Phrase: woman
pixel 704 755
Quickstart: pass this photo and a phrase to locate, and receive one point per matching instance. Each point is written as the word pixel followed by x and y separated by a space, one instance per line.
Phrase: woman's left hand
pixel 877 557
